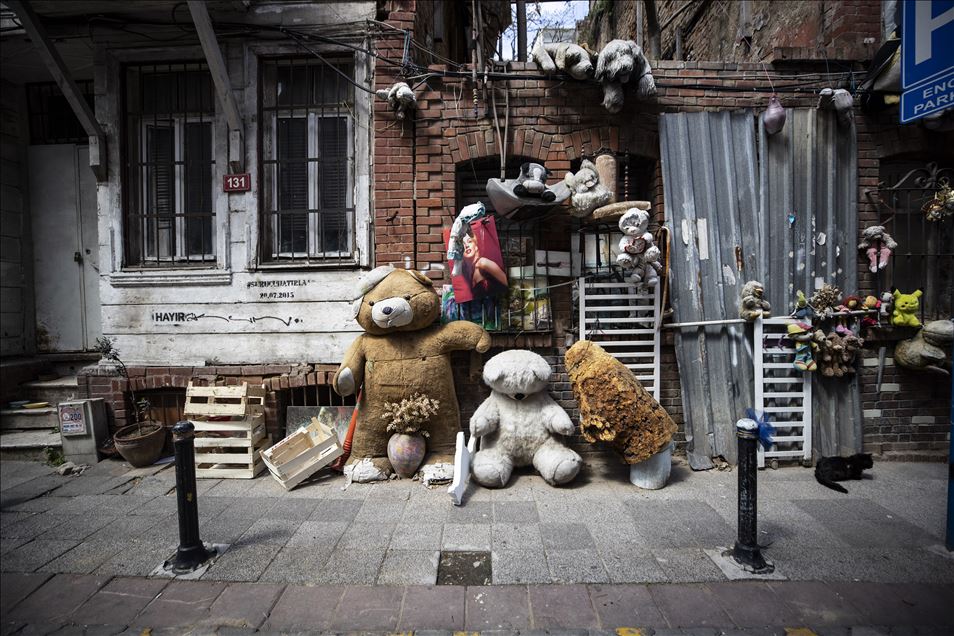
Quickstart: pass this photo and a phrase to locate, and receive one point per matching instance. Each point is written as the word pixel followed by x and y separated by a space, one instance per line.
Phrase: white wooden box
pixel 302 454
pixel 229 430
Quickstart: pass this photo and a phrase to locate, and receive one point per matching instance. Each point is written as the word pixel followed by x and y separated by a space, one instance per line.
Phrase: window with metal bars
pixel 924 258
pixel 307 142
pixel 169 165
pixel 52 120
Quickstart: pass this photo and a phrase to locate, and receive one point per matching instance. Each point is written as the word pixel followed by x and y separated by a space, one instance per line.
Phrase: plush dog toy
pixel 586 191
pixel 403 352
pixel 569 58
pixel 906 309
pixel 621 62
pixel 638 253
pixel 517 422
pixel 400 98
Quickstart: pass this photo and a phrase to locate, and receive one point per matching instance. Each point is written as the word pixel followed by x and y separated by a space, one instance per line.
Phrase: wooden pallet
pixel 303 453
pixel 229 430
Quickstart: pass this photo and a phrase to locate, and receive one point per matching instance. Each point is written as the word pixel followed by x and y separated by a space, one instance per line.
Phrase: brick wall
pixel 557 122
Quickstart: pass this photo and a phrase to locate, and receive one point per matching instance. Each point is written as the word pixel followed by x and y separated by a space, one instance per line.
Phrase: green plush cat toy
pixel 906 309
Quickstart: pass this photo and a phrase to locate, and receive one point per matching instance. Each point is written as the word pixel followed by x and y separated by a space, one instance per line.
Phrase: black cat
pixel 832 469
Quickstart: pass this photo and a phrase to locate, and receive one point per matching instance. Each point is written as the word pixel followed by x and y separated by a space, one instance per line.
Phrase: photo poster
pixel 479 291
pixel 528 305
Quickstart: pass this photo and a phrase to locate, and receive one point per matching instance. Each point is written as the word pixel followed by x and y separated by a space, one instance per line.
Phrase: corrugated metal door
pixel 785 216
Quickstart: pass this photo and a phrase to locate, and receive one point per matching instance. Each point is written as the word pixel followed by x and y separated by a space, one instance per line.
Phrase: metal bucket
pixel 653 473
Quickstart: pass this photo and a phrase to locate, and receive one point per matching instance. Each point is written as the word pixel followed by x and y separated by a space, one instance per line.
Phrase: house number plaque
pixel 237 182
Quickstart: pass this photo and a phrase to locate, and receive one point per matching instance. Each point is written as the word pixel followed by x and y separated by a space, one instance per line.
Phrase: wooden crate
pixel 229 430
pixel 302 454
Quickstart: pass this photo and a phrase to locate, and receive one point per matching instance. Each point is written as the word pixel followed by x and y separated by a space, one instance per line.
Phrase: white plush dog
pixel 638 253
pixel 517 422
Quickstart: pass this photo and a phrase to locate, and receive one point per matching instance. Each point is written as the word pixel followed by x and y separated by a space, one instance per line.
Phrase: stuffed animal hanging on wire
pixel 877 245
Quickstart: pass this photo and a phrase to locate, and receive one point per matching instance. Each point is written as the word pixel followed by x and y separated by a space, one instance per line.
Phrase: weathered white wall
pixel 16 279
pixel 240 311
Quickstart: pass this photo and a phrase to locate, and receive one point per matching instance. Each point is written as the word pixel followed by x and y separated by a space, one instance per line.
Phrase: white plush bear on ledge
pixel 638 254
pixel 517 422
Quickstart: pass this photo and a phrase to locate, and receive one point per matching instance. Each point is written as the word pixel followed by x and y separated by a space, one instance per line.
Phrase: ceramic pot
pixel 140 444
pixel 406 452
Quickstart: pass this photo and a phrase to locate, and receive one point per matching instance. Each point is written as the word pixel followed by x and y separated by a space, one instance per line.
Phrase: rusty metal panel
pixel 742 205
pixel 709 180
pixel 808 192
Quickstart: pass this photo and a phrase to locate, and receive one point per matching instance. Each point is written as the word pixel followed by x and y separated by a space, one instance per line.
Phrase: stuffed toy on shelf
pixel 586 191
pixel 905 313
pixel 803 311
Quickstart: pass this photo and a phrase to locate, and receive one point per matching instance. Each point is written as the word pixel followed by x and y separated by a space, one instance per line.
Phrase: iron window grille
pixel 307 141
pixel 169 165
pixel 924 258
pixel 51 117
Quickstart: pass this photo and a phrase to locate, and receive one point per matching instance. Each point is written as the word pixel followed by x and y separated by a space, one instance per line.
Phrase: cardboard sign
pixel 237 182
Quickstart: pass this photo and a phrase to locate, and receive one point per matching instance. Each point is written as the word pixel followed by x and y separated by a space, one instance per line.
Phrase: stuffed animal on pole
pixel 614 405
pixel 572 59
pixel 619 63
pixel 878 246
pixel 532 182
pixel 402 352
pixel 586 191
pixel 517 424
pixel 905 313
pixel 638 254
pixel 753 304
pixel 400 98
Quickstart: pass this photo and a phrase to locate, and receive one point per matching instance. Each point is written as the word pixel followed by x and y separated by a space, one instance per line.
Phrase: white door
pixel 65 248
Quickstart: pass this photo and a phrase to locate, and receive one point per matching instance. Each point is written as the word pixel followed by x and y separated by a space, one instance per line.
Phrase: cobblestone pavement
pixel 599 555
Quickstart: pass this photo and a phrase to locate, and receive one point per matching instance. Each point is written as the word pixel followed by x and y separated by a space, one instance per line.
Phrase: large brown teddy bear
pixel 403 352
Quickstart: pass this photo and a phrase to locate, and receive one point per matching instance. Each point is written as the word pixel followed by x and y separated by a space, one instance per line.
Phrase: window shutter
pixel 293 184
pixel 333 183
pixel 198 183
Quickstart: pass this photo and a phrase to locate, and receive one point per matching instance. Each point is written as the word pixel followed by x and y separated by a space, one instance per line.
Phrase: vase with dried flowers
pixel 406 420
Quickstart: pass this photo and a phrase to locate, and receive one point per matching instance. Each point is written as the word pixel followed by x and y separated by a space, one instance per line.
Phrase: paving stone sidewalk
pixel 76 604
pixel 112 526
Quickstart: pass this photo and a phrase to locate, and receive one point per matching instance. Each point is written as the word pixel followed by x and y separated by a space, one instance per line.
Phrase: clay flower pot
pixel 406 452
pixel 141 444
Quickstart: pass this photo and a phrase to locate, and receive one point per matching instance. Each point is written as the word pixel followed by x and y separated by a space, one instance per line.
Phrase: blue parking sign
pixel 927 57
pixel 927 41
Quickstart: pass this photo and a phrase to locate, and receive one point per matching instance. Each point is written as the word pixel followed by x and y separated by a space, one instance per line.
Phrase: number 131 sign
pixel 237 182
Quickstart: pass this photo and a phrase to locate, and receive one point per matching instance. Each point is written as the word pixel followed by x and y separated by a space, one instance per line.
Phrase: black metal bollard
pixel 191 552
pixel 746 551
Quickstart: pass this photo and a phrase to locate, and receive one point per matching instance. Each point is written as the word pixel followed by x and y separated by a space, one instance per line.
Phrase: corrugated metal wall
pixel 728 206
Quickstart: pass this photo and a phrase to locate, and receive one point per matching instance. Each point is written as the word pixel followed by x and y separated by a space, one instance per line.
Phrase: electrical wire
pixel 329 65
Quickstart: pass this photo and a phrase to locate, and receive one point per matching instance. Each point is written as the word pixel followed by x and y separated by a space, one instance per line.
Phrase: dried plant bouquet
pixel 410 414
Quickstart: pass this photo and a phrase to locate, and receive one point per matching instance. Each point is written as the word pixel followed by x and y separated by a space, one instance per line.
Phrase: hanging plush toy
pixel 873 306
pixel 586 191
pixel 400 98
pixel 801 334
pixel 829 353
pixel 878 245
pixel 906 309
pixel 852 346
pixel 774 116
pixel 638 253
pixel 754 304
pixel 803 311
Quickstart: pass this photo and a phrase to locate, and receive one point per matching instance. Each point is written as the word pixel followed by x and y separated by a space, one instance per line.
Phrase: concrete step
pixel 28 445
pixel 55 391
pixel 29 419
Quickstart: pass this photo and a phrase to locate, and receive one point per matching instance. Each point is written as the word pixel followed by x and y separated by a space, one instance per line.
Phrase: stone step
pixel 28 445
pixel 61 389
pixel 29 419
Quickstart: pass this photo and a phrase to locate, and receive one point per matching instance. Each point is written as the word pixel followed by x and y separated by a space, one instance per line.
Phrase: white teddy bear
pixel 637 250
pixel 586 191
pixel 400 98
pixel 517 422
